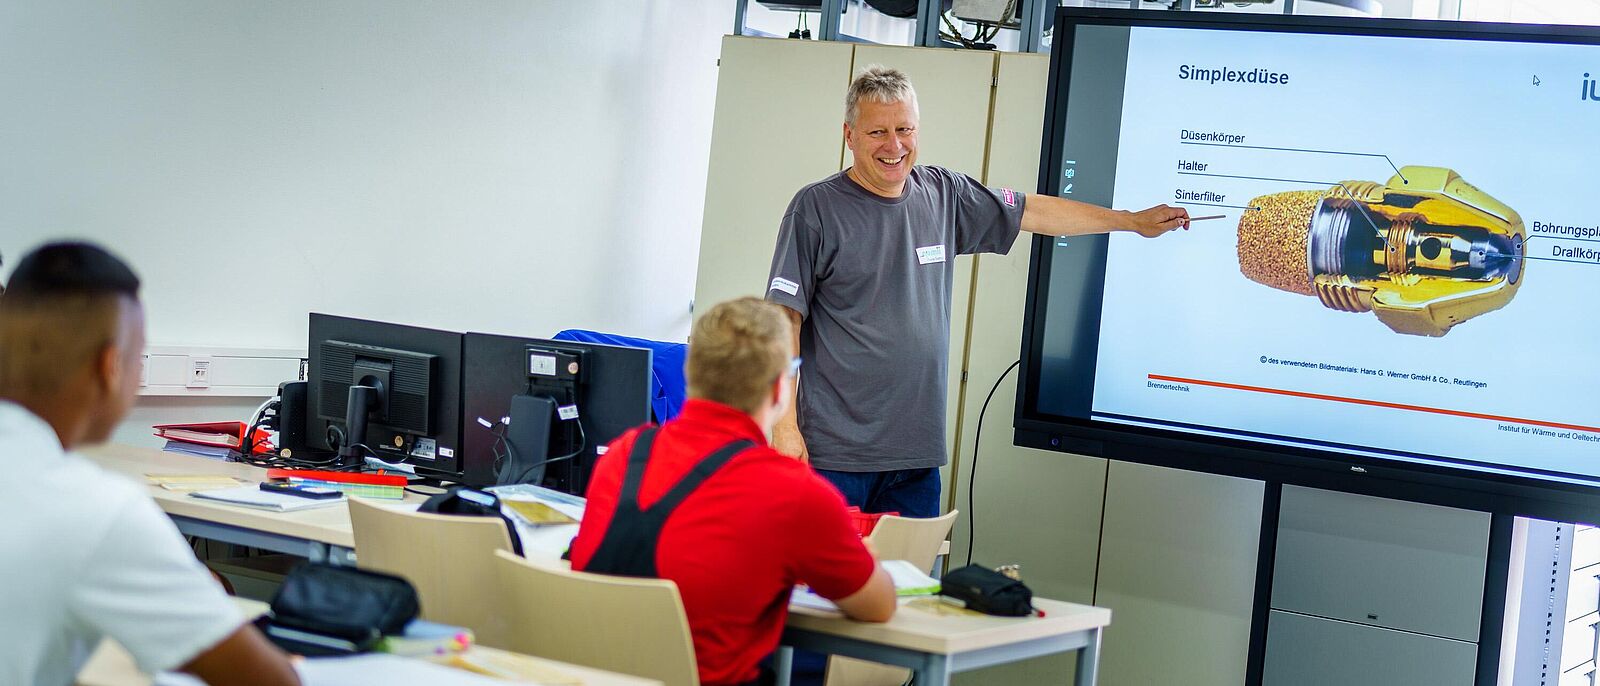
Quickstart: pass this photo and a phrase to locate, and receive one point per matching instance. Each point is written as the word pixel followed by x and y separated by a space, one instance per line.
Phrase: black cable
pixel 583 444
pixel 972 477
pixel 430 473
pixel 278 462
pixel 499 431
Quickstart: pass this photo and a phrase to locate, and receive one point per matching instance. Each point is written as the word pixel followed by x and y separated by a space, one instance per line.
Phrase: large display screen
pixel 1402 275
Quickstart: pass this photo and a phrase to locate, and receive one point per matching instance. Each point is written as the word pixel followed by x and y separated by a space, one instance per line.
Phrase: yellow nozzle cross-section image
pixel 1424 251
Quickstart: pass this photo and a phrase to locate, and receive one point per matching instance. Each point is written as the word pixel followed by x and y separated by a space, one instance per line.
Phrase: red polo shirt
pixel 738 543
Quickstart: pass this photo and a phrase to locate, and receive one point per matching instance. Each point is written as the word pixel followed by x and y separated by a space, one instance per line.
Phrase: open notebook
pixel 253 496
pixel 908 581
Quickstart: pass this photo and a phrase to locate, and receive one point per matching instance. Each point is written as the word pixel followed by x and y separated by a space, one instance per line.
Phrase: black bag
pixel 323 609
pixel 471 502
pixel 988 591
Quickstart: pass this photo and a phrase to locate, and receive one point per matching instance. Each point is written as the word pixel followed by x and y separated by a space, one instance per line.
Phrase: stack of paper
pixel 197 450
pixel 565 503
pixel 253 496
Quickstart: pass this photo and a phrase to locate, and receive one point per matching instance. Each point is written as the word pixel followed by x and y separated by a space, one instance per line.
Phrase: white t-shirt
pixel 85 554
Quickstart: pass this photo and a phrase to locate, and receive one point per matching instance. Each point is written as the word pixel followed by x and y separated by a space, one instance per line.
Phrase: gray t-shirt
pixel 871 276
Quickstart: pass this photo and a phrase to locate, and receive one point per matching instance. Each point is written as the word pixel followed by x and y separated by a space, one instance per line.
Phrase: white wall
pixel 517 166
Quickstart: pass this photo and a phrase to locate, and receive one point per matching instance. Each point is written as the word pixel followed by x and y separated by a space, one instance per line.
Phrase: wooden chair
pixel 894 538
pixel 447 557
pixel 622 624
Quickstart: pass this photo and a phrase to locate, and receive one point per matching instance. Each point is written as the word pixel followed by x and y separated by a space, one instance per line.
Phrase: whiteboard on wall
pixel 509 166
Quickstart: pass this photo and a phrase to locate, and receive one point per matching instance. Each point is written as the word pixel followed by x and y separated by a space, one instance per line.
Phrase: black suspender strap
pixel 638 460
pixel 629 545
pixel 696 476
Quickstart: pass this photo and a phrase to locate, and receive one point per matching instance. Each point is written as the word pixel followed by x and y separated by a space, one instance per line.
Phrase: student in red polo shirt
pixel 703 501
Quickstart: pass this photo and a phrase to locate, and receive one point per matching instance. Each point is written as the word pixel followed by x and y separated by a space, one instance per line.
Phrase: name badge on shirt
pixel 785 285
pixel 932 254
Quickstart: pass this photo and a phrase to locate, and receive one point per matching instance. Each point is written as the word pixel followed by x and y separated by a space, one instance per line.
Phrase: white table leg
pixel 784 665
pixel 1088 662
pixel 935 672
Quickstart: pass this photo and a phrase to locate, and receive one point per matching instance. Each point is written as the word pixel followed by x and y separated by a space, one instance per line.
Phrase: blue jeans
pixel 910 492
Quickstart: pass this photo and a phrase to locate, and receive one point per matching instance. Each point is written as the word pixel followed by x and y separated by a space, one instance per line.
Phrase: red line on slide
pixel 1373 403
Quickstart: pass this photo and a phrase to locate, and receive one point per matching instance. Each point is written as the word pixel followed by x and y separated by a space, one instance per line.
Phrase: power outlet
pixel 199 371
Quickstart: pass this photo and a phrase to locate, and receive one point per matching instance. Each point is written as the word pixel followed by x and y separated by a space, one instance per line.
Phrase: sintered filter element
pixel 1424 252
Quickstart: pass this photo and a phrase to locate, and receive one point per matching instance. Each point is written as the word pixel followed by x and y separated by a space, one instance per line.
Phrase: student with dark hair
pixel 88 555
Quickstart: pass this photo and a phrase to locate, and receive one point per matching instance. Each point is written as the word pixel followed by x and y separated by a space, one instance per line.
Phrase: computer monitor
pixel 538 385
pixel 385 390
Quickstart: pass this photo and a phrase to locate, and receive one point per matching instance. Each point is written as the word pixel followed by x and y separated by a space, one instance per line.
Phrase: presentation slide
pixel 1402 255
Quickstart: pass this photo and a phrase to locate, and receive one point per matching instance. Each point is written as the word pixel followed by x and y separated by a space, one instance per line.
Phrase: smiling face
pixel 884 143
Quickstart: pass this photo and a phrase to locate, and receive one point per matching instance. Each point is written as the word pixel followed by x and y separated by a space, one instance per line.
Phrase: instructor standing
pixel 864 265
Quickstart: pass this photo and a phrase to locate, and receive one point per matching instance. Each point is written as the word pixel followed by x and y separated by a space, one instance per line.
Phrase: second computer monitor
pixel 539 384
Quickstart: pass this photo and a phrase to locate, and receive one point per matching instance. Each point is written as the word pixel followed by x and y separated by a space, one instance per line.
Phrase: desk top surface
pixel 921 624
pixel 932 626
pixel 329 525
pixel 110 665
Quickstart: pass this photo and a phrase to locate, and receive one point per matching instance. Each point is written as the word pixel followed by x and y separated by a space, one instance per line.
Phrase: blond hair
pixel 736 351
pixel 880 84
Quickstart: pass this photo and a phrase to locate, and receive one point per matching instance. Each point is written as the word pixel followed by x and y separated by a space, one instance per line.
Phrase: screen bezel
pixel 1576 499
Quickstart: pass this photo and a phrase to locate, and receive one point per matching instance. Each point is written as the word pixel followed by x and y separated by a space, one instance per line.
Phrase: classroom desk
pixel 110 665
pixel 936 640
pixel 319 534
pixel 933 640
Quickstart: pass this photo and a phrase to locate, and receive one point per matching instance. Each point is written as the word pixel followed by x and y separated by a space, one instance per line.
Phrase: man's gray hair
pixel 881 84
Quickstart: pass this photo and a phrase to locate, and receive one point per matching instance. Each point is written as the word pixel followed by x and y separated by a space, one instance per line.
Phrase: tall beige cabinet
pixel 1171 553
pixel 776 128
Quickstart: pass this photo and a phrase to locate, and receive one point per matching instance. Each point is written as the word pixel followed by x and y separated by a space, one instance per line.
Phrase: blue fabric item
pixel 667 383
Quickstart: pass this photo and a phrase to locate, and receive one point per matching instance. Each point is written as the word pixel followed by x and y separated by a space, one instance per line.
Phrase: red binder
pixel 215 434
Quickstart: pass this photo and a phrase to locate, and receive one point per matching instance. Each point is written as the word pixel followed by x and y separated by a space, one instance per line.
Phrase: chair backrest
pixel 447 557
pixel 622 624
pixel 914 540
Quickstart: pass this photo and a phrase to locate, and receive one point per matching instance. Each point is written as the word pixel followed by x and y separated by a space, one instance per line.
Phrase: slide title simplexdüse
pixel 1190 72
